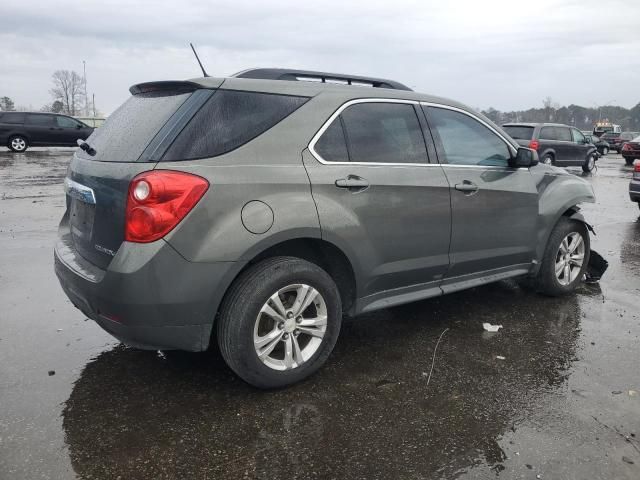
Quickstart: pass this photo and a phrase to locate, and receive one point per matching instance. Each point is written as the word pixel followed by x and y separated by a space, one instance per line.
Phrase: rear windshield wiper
pixel 86 147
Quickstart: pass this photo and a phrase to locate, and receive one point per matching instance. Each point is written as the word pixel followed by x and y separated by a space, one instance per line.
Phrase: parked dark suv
pixel 19 130
pixel 257 210
pixel 555 143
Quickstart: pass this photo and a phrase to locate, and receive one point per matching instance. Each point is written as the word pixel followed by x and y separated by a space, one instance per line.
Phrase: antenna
pixel 204 72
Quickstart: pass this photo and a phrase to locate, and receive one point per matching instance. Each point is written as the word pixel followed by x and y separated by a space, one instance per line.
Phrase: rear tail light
pixel 158 200
pixel 534 144
pixel 636 169
pixel 626 146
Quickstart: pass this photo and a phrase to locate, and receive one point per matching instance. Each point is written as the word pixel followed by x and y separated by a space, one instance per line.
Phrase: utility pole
pixel 84 76
pixel 94 109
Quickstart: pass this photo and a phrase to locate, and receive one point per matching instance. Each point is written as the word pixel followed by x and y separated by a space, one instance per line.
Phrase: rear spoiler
pixel 177 86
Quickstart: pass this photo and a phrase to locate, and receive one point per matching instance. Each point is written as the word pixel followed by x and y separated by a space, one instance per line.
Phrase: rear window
pixel 40 120
pixel 228 120
pixel 12 118
pixel 129 129
pixel 519 132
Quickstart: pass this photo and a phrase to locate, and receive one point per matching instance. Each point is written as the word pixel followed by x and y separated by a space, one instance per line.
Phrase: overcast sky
pixel 505 54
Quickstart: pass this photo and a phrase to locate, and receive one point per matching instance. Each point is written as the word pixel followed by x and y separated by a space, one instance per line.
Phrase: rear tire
pixel 589 164
pixel 18 143
pixel 547 159
pixel 553 278
pixel 629 161
pixel 272 287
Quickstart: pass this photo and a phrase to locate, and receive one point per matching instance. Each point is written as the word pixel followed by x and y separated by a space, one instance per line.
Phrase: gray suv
pixel 258 210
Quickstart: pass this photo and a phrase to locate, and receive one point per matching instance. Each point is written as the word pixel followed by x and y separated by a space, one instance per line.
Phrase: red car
pixel 631 150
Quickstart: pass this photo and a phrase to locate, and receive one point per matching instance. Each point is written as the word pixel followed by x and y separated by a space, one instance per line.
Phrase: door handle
pixel 352 182
pixel 467 187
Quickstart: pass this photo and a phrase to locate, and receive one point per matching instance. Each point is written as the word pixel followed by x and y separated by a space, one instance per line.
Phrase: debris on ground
pixel 627 460
pixel 500 357
pixel 491 328
pixel 51 372
pixel 632 393
pixel 596 267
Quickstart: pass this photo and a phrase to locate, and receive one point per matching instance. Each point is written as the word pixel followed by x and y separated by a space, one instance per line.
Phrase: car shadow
pixel 369 413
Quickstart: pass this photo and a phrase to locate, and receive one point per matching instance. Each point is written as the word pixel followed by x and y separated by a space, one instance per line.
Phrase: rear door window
pixel 548 133
pixel 384 133
pixel 39 120
pixel 228 120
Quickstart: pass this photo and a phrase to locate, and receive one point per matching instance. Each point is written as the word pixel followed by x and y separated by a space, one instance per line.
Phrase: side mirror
pixel 78 126
pixel 525 158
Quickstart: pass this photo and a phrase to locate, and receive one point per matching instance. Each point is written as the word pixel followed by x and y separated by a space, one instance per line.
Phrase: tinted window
pixel 626 136
pixel 228 120
pixel 66 122
pixel 40 120
pixel 548 133
pixel 384 133
pixel 12 118
pixel 331 146
pixel 129 129
pixel 466 141
pixel 519 132
pixel 578 137
pixel 563 134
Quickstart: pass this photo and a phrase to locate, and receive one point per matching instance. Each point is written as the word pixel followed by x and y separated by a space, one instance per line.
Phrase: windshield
pixel 519 132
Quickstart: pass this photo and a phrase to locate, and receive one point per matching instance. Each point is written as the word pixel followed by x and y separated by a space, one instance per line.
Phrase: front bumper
pixel 149 297
pixel 634 190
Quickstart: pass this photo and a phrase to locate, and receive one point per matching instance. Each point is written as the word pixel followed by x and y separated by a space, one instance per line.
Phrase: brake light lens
pixel 626 146
pixel 636 170
pixel 158 200
pixel 534 144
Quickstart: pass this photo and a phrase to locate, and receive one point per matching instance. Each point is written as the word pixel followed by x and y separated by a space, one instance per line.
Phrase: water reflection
pixel 367 414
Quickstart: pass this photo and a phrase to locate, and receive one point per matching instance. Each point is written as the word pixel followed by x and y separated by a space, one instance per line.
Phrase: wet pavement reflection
pixel 550 395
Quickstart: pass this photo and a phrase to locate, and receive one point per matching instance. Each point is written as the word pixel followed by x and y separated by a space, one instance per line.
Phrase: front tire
pixel 589 164
pixel 18 143
pixel 279 322
pixel 565 258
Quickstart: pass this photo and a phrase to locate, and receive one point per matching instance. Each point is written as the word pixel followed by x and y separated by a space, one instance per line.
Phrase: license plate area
pixel 81 218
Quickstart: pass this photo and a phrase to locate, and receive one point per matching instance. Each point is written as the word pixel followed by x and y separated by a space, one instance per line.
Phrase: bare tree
pixel 68 88
pixel 6 104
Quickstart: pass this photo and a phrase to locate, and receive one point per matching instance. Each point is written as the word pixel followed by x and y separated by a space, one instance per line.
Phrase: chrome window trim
pixel 341 109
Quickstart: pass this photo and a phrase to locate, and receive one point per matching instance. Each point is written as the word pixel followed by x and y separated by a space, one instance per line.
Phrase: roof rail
pixel 320 77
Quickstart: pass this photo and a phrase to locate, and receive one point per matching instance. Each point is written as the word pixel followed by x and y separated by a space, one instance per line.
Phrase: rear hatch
pixel 126 145
pixel 520 133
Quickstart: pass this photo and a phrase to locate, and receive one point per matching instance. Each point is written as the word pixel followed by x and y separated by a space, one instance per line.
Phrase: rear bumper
pixel 634 190
pixel 630 153
pixel 149 297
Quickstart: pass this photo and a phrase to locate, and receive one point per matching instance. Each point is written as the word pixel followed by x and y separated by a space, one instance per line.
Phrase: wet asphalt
pixel 555 394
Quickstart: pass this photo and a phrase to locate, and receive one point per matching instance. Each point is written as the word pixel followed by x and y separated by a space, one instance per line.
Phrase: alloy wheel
pixel 18 144
pixel 569 258
pixel 290 327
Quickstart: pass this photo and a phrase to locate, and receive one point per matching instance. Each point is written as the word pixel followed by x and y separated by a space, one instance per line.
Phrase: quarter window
pixel 466 141
pixel 12 118
pixel 332 145
pixel 228 120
